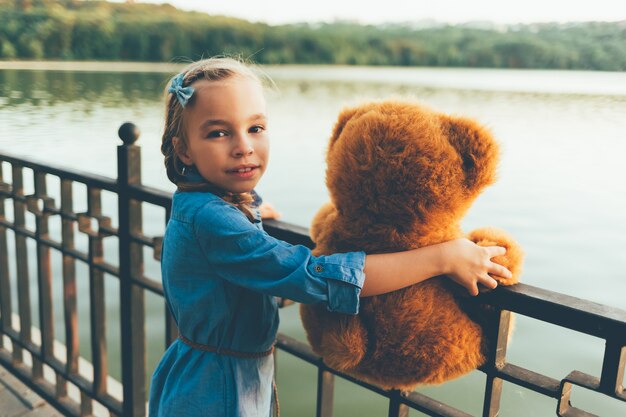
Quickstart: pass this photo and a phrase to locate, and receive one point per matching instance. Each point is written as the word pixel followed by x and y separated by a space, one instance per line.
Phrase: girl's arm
pixel 462 260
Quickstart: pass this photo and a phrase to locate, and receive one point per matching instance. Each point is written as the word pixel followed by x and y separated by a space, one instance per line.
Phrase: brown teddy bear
pixel 402 176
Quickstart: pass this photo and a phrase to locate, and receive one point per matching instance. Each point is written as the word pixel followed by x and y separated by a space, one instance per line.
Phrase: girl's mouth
pixel 243 172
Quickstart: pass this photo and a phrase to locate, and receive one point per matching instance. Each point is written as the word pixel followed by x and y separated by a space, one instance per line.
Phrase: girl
pixel 221 270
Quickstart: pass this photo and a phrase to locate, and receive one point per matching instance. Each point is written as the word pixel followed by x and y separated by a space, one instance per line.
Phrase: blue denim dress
pixel 220 275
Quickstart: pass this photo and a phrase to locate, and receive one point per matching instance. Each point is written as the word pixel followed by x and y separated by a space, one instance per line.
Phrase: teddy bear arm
pixel 341 339
pixel 512 259
pixel 322 227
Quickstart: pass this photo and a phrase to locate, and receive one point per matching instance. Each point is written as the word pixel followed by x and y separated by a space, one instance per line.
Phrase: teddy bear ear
pixel 477 148
pixel 344 117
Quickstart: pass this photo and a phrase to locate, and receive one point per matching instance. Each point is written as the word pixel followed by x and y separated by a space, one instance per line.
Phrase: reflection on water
pixel 560 191
pixel 53 88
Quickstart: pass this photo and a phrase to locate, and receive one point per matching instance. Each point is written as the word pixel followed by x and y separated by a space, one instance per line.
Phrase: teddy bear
pixel 401 176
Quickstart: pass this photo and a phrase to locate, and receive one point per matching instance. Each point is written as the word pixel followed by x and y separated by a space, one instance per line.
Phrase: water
pixel 561 190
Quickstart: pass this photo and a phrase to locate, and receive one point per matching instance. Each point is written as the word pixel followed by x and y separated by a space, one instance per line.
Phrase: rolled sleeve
pixel 244 255
pixel 344 276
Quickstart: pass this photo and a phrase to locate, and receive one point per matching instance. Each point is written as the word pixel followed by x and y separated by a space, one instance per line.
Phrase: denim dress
pixel 220 275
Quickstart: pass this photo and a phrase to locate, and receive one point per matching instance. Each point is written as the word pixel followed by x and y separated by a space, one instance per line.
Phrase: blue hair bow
pixel 183 94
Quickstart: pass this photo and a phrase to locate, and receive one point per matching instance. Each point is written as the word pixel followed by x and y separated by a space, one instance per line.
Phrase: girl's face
pixel 226 133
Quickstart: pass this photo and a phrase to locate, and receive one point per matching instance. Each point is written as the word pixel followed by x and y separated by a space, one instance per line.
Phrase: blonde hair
pixel 211 69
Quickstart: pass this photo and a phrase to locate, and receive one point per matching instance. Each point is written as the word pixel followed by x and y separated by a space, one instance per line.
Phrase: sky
pixel 407 11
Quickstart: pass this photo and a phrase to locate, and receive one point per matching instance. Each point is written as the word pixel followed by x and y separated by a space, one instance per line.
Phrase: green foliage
pixel 7 50
pixel 74 29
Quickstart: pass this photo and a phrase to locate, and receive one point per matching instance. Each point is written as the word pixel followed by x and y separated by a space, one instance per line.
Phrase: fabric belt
pixel 222 351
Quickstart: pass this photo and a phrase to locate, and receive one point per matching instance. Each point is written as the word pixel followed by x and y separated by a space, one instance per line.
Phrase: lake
pixel 561 190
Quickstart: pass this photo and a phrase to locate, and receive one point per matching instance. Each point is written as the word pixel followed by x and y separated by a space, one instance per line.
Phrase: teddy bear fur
pixel 401 176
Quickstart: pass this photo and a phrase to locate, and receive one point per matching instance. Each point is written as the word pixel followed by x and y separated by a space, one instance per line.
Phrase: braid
pixel 242 201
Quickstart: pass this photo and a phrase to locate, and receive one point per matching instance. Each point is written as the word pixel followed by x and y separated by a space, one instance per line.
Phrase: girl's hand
pixel 268 211
pixel 468 264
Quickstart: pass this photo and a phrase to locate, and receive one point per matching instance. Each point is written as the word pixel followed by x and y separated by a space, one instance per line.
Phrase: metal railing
pixel 17 343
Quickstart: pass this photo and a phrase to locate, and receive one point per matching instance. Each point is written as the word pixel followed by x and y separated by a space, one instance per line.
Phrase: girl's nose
pixel 243 147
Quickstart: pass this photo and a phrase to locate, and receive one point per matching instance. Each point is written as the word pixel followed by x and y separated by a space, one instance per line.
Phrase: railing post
pixel 70 303
pixel 497 358
pixel 396 408
pixel 325 393
pixel 131 267
pixel 611 381
pixel 21 259
pixel 5 294
pixel 37 204
pixel 97 314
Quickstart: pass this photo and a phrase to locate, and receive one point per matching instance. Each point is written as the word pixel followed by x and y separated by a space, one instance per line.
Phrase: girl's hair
pixel 212 69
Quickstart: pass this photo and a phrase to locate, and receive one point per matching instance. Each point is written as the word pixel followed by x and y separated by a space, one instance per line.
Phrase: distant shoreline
pixel 174 67
pixel 94 66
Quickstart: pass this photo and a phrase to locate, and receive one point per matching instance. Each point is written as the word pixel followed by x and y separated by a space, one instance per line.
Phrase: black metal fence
pixel 17 343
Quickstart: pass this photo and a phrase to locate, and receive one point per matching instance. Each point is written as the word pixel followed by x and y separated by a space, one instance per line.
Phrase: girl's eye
pixel 257 129
pixel 216 134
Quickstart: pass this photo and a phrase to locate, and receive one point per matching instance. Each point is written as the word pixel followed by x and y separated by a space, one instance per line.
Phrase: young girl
pixel 221 270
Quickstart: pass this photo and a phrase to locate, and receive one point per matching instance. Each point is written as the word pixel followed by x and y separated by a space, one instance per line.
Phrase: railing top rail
pixel 563 310
pixel 99 181
pixel 151 195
